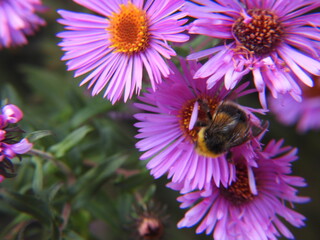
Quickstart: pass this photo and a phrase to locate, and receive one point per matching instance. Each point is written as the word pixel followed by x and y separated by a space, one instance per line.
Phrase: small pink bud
pixel 2 135
pixel 12 113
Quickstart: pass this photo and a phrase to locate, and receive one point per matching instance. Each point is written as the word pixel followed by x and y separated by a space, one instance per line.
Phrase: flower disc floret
pixel 254 206
pixel 187 111
pixel 129 29
pixel 239 191
pixel 113 50
pixel 260 34
pixel 277 41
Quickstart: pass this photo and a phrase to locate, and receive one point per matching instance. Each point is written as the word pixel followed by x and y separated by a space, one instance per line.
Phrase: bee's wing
pixel 223 123
pixel 242 135
pixel 238 130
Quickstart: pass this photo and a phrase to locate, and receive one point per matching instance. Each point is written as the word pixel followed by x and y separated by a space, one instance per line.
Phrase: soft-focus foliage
pixel 84 179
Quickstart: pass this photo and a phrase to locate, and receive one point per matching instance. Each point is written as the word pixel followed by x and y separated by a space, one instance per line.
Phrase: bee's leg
pixel 256 130
pixel 247 134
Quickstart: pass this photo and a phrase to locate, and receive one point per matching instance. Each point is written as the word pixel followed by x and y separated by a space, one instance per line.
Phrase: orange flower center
pixel 129 29
pixel 260 34
pixel 239 191
pixel 186 113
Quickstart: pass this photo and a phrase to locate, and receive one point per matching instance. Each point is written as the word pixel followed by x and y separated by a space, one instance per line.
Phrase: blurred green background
pixel 87 177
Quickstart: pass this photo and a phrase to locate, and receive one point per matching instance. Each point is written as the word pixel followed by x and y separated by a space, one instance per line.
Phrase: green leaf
pixel 149 194
pixel 9 95
pixel 81 220
pixel 37 182
pixel 104 207
pixel 36 135
pixel 53 190
pixel 70 141
pixel 19 219
pixel 88 112
pixel 135 181
pixel 44 84
pixel 30 205
pixel 55 231
pixel 95 177
pixel 71 235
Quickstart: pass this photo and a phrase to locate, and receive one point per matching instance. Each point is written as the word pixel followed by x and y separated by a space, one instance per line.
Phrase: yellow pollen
pixel 129 29
pixel 186 112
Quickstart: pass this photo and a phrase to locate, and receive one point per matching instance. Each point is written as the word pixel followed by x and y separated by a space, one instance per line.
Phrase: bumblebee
pixel 227 127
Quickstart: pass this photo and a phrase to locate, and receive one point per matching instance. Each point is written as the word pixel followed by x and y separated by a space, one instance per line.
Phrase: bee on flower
pixel 189 132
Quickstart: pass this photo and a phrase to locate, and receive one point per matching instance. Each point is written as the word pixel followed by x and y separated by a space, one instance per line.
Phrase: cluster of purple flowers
pixel 239 194
pixel 191 129
pixel 11 144
pixel 275 40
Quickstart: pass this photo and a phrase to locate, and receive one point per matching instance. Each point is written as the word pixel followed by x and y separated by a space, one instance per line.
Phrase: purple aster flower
pixel 11 144
pixel 18 19
pixel 305 114
pixel 176 114
pixel 278 41
pixel 115 47
pixel 251 207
